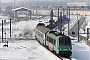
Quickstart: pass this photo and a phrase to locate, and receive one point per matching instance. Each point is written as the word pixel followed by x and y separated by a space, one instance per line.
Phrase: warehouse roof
pixel 21 8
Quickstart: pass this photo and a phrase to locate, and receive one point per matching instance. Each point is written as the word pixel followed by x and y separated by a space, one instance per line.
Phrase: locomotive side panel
pixel 51 40
pixel 40 36
pixel 40 33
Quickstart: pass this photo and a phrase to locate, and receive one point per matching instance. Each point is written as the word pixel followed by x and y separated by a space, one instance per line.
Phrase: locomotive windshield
pixel 64 40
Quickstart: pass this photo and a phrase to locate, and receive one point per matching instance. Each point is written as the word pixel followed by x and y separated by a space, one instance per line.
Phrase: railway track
pixel 62 58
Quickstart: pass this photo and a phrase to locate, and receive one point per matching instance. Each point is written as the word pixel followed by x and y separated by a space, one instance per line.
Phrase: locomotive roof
pixel 43 29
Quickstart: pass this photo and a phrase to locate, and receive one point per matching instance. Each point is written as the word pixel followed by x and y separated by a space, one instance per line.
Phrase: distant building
pixel 77 4
pixel 22 13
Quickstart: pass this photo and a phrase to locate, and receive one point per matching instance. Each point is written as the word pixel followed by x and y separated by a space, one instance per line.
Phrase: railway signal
pixel 73 33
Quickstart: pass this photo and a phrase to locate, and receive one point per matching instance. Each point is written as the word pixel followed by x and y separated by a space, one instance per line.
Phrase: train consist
pixel 53 40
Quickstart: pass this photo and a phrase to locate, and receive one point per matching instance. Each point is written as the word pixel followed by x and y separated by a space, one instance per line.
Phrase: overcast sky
pixel 38 0
pixel 10 0
pixel 7 0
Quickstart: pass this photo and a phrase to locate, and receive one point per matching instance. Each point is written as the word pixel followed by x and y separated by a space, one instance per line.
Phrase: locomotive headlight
pixel 69 48
pixel 60 48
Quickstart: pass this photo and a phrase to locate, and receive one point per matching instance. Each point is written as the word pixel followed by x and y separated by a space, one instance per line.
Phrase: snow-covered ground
pixel 31 49
pixel 25 50
pixel 80 51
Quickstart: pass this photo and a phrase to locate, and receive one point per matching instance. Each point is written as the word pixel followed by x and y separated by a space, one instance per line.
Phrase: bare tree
pixel 8 11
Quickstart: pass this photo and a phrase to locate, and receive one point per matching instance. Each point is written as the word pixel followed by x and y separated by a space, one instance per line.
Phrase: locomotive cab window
pixel 64 40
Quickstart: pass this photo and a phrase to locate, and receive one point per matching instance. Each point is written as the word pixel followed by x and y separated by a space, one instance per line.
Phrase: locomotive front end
pixel 65 46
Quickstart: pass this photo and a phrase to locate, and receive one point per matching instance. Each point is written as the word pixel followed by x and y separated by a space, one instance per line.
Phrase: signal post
pixel 88 43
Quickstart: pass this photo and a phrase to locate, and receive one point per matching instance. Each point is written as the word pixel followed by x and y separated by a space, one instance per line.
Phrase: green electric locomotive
pixel 53 40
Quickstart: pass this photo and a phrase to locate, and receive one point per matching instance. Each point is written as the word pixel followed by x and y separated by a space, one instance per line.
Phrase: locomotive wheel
pixel 47 47
pixel 54 52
